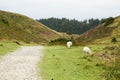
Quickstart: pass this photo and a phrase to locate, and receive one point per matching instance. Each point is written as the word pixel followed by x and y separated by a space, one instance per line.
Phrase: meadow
pixel 62 63
pixel 6 47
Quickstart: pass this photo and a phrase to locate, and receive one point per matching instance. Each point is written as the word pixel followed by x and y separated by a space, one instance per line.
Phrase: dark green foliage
pixel 18 43
pixel 1 44
pixel 70 26
pixel 4 20
pixel 61 41
pixel 107 21
pixel 113 39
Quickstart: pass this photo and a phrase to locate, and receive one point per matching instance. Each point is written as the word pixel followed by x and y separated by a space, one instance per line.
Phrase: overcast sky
pixel 72 9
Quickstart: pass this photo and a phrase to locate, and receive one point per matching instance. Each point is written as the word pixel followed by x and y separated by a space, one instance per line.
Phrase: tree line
pixel 70 26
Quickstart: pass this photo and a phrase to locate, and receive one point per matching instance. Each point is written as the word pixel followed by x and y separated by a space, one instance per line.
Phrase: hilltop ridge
pixel 18 27
pixel 103 33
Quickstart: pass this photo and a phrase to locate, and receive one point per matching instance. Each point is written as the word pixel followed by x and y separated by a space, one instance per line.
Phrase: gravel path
pixel 21 64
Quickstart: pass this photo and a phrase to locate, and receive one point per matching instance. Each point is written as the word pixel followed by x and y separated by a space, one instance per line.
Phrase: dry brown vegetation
pixel 101 33
pixel 22 28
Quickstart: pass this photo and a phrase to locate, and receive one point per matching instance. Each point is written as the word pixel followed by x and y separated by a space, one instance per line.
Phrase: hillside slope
pixel 22 28
pixel 102 33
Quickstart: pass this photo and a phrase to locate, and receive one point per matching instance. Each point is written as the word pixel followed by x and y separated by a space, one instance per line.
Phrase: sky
pixel 71 9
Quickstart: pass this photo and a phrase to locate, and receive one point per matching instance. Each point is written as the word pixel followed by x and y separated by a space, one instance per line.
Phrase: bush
pixel 4 20
pixel 1 44
pixel 113 39
pixel 107 21
pixel 59 41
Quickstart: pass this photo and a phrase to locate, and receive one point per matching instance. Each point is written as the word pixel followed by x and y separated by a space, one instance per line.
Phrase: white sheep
pixel 69 44
pixel 87 50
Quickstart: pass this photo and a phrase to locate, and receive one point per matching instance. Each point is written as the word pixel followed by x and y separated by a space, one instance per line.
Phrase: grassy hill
pixel 61 63
pixel 16 27
pixel 103 33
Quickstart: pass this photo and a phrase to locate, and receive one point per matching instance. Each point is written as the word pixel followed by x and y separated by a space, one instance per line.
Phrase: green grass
pixel 6 47
pixel 24 29
pixel 61 63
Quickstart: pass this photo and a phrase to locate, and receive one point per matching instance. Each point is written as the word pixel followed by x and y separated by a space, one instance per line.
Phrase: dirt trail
pixel 21 64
